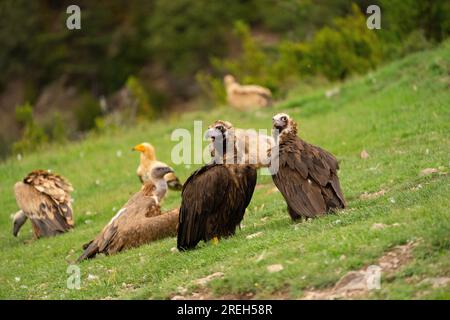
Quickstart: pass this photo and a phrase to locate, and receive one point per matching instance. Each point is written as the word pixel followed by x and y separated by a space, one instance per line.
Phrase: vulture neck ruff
pixel 225 151
pixel 285 134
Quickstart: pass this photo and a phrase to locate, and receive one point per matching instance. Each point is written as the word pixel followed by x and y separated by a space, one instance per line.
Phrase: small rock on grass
pixel 378 226
pixel 275 268
pixel 428 171
pixel 364 154
pixel 254 235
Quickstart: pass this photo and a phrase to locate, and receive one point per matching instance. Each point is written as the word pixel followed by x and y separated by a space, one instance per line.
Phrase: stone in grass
pixel 378 226
pixel 254 235
pixel 428 171
pixel 275 268
pixel 364 154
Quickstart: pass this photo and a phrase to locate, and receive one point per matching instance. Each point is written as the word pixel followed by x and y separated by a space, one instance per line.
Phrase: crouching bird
pixel 246 97
pixel 148 161
pixel 138 222
pixel 306 175
pixel 214 197
pixel 44 198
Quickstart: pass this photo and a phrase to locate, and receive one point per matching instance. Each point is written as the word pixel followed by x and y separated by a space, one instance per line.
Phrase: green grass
pixel 400 114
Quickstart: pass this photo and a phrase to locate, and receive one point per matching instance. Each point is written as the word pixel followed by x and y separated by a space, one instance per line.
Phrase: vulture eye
pixel 283 118
pixel 219 128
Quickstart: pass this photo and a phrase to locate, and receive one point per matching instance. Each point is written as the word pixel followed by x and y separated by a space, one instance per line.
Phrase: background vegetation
pixel 137 60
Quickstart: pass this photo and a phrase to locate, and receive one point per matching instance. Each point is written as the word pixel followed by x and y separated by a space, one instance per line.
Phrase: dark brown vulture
pixel 306 175
pixel 214 197
pixel 44 198
pixel 148 161
pixel 138 222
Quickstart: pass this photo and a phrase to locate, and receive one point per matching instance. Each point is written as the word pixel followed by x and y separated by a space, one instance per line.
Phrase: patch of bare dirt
pixel 437 282
pixel 357 284
pixel 204 281
pixel 205 294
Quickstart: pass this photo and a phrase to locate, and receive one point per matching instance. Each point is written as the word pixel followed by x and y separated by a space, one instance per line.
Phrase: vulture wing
pixel 252 89
pixel 214 200
pixel 44 197
pixel 307 178
pixel 115 236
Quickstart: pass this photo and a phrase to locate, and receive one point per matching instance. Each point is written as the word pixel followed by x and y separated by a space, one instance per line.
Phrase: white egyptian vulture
pixel 148 161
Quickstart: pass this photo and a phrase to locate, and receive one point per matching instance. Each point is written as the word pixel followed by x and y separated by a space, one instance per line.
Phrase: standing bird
pixel 214 197
pixel 44 198
pixel 251 147
pixel 148 161
pixel 306 175
pixel 138 222
pixel 246 97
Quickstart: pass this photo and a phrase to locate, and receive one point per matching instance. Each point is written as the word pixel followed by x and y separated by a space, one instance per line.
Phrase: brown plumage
pixel 246 97
pixel 306 175
pixel 251 147
pixel 138 222
pixel 214 198
pixel 148 161
pixel 44 198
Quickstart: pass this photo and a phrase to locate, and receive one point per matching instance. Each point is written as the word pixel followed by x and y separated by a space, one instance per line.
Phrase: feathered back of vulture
pixel 45 199
pixel 53 185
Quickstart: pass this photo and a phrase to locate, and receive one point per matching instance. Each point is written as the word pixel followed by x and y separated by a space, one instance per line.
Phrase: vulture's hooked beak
pixel 212 133
pixel 169 170
pixel 19 219
pixel 139 148
pixel 278 124
pixel 16 229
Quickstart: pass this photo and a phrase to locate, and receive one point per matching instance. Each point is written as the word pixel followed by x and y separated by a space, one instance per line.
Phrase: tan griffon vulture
pixel 251 147
pixel 214 198
pixel 138 222
pixel 148 161
pixel 246 97
pixel 306 175
pixel 44 198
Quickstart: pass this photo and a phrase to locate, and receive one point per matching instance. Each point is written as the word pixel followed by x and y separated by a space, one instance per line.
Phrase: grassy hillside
pixel 400 114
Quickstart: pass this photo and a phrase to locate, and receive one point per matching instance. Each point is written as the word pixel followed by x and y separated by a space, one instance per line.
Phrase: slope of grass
pixel 400 114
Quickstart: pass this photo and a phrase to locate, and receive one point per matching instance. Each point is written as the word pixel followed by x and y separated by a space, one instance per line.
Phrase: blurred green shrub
pixel 211 87
pixel 347 48
pixel 58 128
pixel 24 114
pixel 140 102
pixel 32 135
pixel 335 52
pixel 86 113
pixel 253 65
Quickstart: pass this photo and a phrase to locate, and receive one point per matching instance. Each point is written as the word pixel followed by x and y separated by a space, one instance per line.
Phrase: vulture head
pixel 229 80
pixel 18 220
pixel 219 129
pixel 221 134
pixel 159 171
pixel 145 149
pixel 282 123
